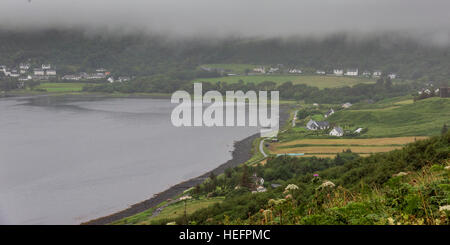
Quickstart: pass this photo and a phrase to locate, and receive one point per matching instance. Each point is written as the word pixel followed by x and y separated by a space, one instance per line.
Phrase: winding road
pixel 261 148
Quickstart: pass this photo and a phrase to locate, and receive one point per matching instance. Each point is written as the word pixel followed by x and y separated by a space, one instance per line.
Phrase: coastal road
pixel 261 148
pixel 294 119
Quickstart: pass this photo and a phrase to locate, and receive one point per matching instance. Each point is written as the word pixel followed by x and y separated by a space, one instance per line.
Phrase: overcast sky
pixel 237 17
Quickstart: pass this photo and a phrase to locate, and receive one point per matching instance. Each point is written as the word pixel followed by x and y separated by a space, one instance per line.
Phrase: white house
pixel 14 73
pixel 295 71
pixel 46 66
pixel 273 69
pixel 358 130
pixel 72 77
pixel 25 78
pixel 366 73
pixel 38 72
pixel 260 69
pixel 347 105
pixel 24 66
pixel 6 71
pixel 124 79
pixel 337 131
pixel 352 72
pixel 377 73
pixel 338 72
pixel 329 113
pixel 316 125
pixel 111 79
pixel 320 72
pixel 50 72
pixel 392 76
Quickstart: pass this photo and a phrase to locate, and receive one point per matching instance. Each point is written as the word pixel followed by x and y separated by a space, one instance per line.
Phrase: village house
pixel 329 113
pixel 46 66
pixel 50 72
pixel 295 71
pixel 320 72
pixel 347 105
pixel 358 130
pixel 337 131
pixel 38 72
pixel 24 66
pixel 425 91
pixel 27 78
pixel 366 74
pixel 14 73
pixel 338 72
pixel 274 69
pixel 110 79
pixel 260 69
pixel 6 71
pixel 72 77
pixel 316 125
pixel 124 79
pixel 392 75
pixel 352 72
pixel 377 73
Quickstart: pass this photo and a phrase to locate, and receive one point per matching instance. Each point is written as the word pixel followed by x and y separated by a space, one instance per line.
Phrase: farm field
pixel 61 87
pixel 330 147
pixel 315 81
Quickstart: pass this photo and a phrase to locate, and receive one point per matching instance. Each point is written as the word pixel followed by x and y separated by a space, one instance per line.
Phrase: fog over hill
pixel 424 20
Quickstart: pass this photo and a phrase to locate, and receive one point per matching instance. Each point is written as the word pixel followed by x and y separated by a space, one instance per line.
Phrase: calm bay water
pixel 68 160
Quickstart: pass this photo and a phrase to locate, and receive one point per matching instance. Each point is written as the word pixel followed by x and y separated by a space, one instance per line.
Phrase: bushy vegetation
pixel 407 186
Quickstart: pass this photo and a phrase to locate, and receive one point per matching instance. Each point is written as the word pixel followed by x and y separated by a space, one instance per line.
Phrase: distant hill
pixel 72 50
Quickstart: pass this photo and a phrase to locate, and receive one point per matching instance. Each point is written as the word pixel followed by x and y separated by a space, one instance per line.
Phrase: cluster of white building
pixel 324 125
pixel 336 72
pixel 25 72
pixel 100 73
pixel 355 72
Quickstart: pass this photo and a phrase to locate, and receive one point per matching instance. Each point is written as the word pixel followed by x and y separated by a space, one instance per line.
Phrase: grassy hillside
pixel 424 117
pixel 314 81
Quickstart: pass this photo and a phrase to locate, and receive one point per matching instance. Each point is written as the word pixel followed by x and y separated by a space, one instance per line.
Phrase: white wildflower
pixel 444 208
pixel 291 187
pixel 327 184
pixel 391 221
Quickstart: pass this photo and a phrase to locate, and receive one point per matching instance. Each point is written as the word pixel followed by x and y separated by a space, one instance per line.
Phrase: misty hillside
pixel 147 55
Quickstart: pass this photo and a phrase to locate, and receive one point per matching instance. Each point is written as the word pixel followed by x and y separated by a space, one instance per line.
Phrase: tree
pixel 245 180
pixel 444 129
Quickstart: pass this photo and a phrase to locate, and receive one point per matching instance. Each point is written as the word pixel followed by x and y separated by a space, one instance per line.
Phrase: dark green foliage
pixel 348 171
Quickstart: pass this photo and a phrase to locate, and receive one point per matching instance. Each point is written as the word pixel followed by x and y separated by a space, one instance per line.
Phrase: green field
pixel 310 80
pixel 61 87
pixel 422 118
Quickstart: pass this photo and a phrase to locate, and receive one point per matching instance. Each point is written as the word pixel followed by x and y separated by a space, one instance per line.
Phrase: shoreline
pixel 242 152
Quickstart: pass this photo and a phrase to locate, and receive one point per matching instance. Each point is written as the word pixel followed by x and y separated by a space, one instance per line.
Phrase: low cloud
pixel 427 20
